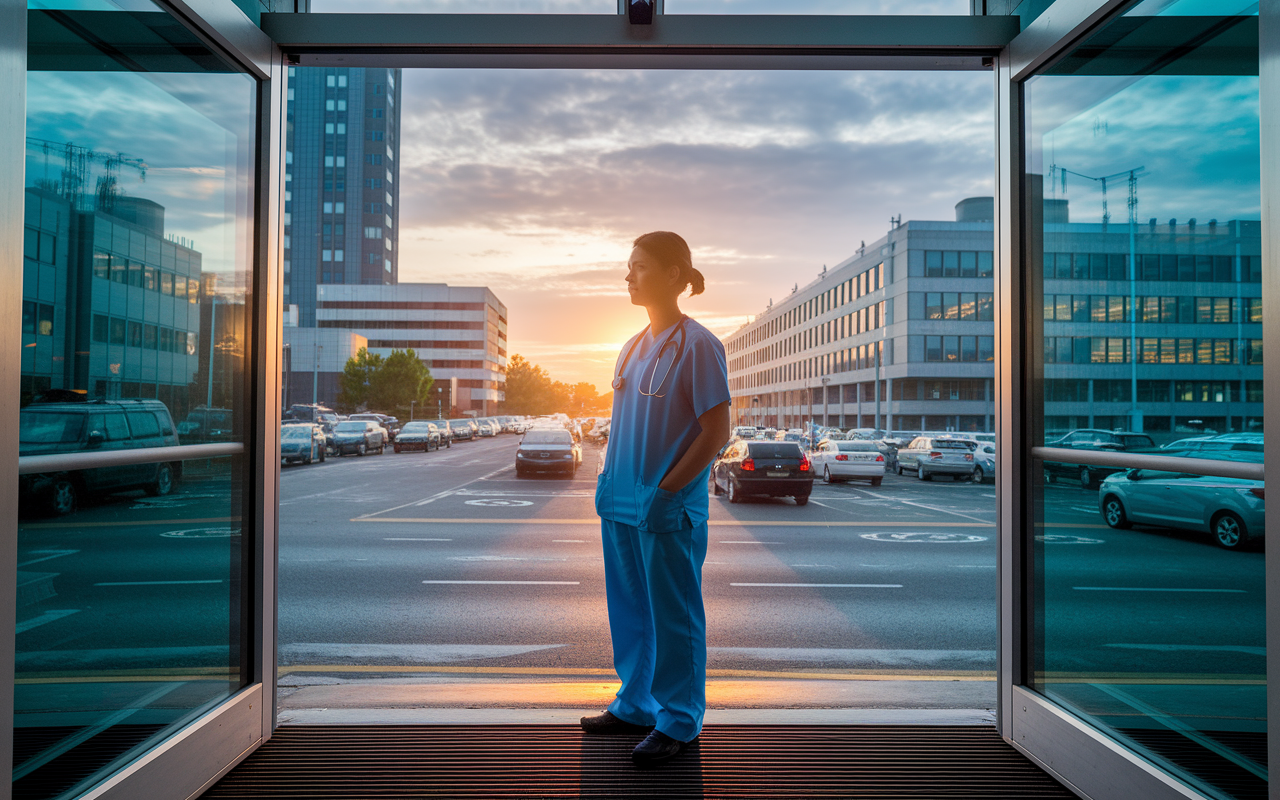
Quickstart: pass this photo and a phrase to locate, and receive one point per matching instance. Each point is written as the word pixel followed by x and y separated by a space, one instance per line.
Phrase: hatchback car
pixel 421 435
pixel 548 450
pixel 842 460
pixel 774 469
pixel 49 428
pixel 927 456
pixel 359 437
pixel 1231 510
pixel 302 442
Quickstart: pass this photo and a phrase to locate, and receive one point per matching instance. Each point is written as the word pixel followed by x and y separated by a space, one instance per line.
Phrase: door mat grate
pixel 558 761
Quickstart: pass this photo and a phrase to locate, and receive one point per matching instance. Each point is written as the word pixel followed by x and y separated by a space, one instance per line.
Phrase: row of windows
pixel 1151 391
pixel 118 269
pixel 867 318
pixel 927 389
pixel 959 348
pixel 1116 350
pixel 1185 310
pixel 963 306
pixel 845 292
pixel 1152 267
pixel 958 264
pixel 851 358
pixel 38 245
pixel 402 325
pixel 37 318
pixel 427 344
pixel 113 330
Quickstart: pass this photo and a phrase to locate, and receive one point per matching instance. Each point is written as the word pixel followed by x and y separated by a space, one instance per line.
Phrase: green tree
pixel 357 377
pixel 527 387
pixel 401 378
pixel 583 399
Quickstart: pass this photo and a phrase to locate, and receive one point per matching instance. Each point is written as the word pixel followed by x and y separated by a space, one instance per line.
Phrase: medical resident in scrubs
pixel 670 419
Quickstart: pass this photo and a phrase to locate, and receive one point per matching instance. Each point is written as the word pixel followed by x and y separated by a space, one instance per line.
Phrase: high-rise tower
pixel 341 181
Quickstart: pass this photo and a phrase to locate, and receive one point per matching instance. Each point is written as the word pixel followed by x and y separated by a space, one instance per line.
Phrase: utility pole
pixel 315 376
pixel 213 337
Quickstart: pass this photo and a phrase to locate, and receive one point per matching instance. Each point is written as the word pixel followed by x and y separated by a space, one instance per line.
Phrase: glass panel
pixel 960 7
pixel 467 6
pixel 1149 616
pixel 139 157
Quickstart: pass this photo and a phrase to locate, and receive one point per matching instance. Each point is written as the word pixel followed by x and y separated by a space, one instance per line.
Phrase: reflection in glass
pixel 1143 170
pixel 136 263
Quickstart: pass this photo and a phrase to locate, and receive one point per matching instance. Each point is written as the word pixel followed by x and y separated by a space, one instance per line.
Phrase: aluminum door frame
pixel 1089 762
pixel 191 759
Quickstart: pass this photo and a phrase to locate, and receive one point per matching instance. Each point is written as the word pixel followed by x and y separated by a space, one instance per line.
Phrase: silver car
pixel 1232 510
pixel 927 456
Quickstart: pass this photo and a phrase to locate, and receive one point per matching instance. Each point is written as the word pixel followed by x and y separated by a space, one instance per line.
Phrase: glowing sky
pixel 535 182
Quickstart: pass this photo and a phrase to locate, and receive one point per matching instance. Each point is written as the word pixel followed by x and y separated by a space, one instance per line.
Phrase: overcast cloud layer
pixel 535 182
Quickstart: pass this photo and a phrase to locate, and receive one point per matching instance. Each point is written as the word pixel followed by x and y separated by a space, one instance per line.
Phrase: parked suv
pixel 927 456
pixel 422 435
pixel 1091 439
pixel 49 428
pixel 777 469
pixel 204 424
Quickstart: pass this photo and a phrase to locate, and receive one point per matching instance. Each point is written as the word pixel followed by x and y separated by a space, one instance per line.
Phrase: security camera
pixel 640 12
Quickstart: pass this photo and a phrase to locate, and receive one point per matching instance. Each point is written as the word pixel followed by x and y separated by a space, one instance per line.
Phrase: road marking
pixel 44 619
pixel 433 497
pixel 510 583
pixel 930 538
pixel 927 508
pixel 501 558
pixel 988 494
pixel 1084 509
pixel 1057 538
pixel 748 542
pixel 133 523
pixel 974 566
pixel 828 585
pixel 499 501
pixel 1147 589
pixel 411 539
pixel 155 583
pixel 816 566
pixel 201 533
pixel 715 523
pixel 571 541
pixel 45 555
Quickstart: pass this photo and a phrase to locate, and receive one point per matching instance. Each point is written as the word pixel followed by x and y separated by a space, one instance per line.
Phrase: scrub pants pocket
pixel 662 511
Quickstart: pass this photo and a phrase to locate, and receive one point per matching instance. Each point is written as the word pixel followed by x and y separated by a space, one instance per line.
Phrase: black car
pixel 548 450
pixel 775 469
pixel 464 430
pixel 390 425
pixel 421 435
pixel 1090 439
pixel 359 437
pixel 56 428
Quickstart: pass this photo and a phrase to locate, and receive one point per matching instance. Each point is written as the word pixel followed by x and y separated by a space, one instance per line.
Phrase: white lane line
pixel 748 542
pixel 929 508
pixel 1085 509
pixel 1149 589
pixel 571 541
pixel 988 494
pixel 155 583
pixel 411 539
pixel 45 555
pixel 974 566
pixel 436 496
pixel 510 583
pixel 819 566
pixel 828 585
pixel 44 619
pixel 824 505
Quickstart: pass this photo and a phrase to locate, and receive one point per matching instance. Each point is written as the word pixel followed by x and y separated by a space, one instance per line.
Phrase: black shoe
pixel 607 724
pixel 656 749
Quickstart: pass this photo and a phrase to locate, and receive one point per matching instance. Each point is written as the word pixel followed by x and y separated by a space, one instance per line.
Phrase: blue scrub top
pixel 647 435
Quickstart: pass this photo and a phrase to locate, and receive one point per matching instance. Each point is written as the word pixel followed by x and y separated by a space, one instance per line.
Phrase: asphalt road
pixel 445 558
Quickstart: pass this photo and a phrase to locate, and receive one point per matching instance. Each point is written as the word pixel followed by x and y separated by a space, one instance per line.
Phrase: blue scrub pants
pixel 653 582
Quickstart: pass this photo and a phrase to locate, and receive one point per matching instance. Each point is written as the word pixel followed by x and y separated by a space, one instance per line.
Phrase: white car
pixel 840 460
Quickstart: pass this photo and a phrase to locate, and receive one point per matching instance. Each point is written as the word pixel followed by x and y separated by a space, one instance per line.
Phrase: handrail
pixel 1198 466
pixel 69 462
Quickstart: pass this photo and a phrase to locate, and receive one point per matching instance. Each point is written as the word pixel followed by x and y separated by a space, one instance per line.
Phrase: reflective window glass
pixel 139 163
pixel 1149 590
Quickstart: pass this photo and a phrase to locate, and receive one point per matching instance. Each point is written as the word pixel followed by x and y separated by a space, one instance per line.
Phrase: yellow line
pixel 715 523
pixel 130 523
pixel 846 675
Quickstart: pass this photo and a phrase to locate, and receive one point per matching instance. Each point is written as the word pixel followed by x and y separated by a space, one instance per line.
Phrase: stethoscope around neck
pixel 619 380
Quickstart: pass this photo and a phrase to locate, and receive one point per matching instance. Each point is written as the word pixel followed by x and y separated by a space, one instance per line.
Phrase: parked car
pixel 841 460
pixel 421 435
pixel 303 442
pixel 464 430
pixel 95 426
pixel 488 427
pixel 927 456
pixel 744 432
pixel 1091 439
pixel 775 469
pixel 390 425
pixel 548 450
pixel 1231 510
pixel 204 424
pixel 1246 442
pixel 359 436
pixel 984 462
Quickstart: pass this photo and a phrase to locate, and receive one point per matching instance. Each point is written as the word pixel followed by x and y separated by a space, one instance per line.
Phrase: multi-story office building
pixel 341 181
pixel 457 331
pixel 111 308
pixel 901 335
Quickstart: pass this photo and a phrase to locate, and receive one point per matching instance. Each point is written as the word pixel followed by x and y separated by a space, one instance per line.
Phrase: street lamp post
pixel 825 421
pixel 439 402
pixel 411 402
pixel 315 376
